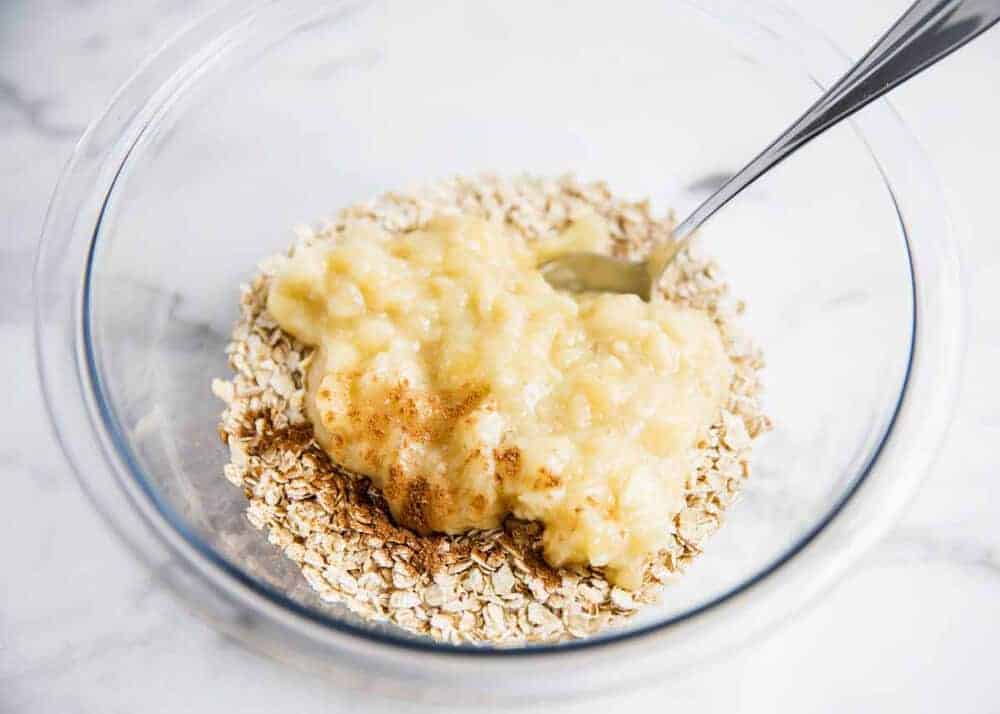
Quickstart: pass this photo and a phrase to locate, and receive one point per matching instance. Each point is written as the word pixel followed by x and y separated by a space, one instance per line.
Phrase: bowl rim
pixel 113 447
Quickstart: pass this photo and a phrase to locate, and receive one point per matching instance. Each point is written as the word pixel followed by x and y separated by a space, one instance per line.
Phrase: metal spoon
pixel 927 32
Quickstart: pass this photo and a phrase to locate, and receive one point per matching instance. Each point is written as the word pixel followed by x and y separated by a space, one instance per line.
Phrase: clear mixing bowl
pixel 270 114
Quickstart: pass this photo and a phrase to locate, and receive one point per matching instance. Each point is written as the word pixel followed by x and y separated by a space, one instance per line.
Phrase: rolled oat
pixel 483 586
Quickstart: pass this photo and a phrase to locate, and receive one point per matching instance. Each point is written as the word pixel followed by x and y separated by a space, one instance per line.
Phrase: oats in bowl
pixel 440 439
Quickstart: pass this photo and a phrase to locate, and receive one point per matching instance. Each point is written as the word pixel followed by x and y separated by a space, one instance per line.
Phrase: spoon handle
pixel 928 31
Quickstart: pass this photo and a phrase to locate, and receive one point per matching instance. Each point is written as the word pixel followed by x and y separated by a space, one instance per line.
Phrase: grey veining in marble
pixel 85 629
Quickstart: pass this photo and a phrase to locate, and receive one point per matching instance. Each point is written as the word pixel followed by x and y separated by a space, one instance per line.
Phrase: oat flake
pixel 483 586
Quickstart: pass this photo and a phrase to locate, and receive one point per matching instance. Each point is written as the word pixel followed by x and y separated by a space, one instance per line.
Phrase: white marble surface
pixel 84 628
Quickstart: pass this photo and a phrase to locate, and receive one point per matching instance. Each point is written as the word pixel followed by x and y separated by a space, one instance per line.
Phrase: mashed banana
pixel 468 389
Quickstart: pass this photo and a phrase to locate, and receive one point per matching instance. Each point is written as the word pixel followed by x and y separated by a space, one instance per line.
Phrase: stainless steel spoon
pixel 927 32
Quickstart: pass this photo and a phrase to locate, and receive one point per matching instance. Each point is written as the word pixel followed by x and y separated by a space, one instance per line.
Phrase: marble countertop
pixel 908 630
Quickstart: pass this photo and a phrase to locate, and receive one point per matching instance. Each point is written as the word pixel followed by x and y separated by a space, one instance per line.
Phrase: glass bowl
pixel 268 114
